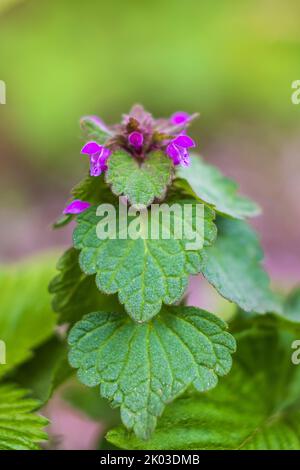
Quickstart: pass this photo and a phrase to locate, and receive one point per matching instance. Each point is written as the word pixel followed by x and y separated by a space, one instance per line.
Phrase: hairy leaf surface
pixel 233 266
pixel 75 293
pixel 20 428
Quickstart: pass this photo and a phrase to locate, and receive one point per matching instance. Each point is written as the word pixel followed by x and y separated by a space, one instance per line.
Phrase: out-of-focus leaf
pixel 45 371
pixel 94 131
pixel 144 271
pixel 140 183
pixel 257 406
pixel 206 183
pixel 92 189
pixel 90 402
pixel 233 266
pixel 6 4
pixel 26 317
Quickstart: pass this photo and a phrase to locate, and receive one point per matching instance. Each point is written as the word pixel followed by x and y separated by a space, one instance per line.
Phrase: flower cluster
pixel 139 134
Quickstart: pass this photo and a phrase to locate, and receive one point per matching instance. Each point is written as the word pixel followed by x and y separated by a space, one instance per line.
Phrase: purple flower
pixel 136 139
pixel 180 118
pixel 96 121
pixel 98 157
pixel 76 206
pixel 177 149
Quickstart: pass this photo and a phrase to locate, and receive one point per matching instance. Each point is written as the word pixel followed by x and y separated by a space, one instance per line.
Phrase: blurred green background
pixel 232 61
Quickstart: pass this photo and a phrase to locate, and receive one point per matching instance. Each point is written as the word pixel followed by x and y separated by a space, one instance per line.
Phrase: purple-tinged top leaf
pixel 180 118
pixel 136 139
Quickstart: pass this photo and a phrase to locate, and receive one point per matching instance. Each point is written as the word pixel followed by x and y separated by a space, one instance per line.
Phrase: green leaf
pixel 257 406
pixel 92 189
pixel 75 293
pixel 140 183
pixel 206 183
pixel 144 272
pixel 47 370
pixel 90 402
pixel 26 318
pixel 20 429
pixel 141 368
pixel 233 266
pixel 94 132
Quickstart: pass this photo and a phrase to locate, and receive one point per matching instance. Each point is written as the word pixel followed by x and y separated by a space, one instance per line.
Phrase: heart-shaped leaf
pixel 207 184
pixel 144 272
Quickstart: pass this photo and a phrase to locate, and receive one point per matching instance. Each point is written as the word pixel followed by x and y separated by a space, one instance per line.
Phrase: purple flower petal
pixel 76 206
pixel 91 147
pixel 184 141
pixel 136 139
pixel 180 118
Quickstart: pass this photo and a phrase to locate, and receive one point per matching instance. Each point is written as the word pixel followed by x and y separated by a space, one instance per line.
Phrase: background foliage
pixel 60 60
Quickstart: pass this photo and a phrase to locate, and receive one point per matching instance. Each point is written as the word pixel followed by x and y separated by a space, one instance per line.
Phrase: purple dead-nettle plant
pixel 141 344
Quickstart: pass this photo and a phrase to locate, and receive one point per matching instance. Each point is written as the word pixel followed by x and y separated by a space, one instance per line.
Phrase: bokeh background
pixel 232 61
